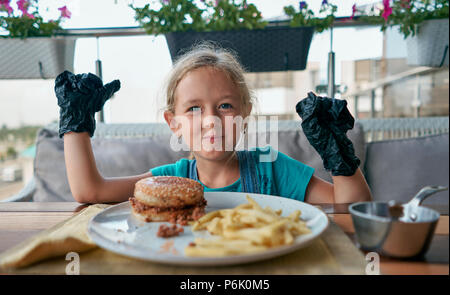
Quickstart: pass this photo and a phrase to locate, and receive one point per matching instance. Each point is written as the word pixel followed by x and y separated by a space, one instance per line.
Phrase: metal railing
pixel 339 22
pixel 400 128
pixel 374 129
pixel 370 88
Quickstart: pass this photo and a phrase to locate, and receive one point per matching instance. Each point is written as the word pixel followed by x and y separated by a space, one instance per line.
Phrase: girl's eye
pixel 194 109
pixel 226 106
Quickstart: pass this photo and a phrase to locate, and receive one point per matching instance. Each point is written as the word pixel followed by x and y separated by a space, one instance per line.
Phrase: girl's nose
pixel 210 119
pixel 211 111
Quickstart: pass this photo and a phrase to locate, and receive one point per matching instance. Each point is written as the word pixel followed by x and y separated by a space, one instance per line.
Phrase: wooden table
pixel 21 220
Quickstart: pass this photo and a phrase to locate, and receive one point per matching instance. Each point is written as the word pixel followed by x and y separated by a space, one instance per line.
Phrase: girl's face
pixel 206 103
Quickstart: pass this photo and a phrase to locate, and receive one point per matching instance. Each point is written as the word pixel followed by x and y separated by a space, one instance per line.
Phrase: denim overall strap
pixel 247 168
pixel 192 174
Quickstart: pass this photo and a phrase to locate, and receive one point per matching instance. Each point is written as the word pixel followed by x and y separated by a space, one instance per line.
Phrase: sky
pixel 142 62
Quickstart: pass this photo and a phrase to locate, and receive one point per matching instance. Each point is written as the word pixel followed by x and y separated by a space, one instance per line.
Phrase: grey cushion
pixel 132 156
pixel 114 157
pixel 398 169
pixel 294 143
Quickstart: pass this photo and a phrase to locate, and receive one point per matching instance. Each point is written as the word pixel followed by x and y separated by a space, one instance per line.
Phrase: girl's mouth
pixel 212 139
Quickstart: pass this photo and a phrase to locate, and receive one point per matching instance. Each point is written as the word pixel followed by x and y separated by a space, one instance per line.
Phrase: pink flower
pixel 23 6
pixel 405 3
pixel 65 13
pixel 5 5
pixel 353 11
pixel 387 10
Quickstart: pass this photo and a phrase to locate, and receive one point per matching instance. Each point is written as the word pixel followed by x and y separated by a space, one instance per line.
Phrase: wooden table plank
pixel 412 268
pixel 10 238
pixel 31 220
pixel 41 207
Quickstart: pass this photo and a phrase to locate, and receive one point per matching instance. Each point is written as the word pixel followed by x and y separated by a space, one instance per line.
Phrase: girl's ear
pixel 175 122
pixel 170 120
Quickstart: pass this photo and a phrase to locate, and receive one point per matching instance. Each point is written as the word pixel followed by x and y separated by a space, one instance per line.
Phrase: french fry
pixel 272 212
pixel 222 242
pixel 288 238
pixel 247 228
pixel 214 227
pixel 295 215
pixel 201 222
pixel 253 203
pixel 261 215
pixel 251 234
pixel 221 251
pixel 244 206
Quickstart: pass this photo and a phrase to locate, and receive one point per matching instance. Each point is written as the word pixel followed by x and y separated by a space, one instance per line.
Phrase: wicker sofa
pixel 398 156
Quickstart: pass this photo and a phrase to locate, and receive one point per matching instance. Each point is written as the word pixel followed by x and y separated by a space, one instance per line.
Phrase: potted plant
pixel 29 48
pixel 239 26
pixel 424 25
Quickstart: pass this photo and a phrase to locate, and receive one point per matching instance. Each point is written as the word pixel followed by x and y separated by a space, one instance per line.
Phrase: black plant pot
pixel 277 48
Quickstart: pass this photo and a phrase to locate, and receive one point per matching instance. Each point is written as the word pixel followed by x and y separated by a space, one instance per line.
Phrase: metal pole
pixel 331 68
pixel 372 103
pixel 417 101
pixel 356 107
pixel 98 72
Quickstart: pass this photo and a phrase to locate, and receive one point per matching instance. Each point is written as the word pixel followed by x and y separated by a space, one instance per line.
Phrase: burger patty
pixel 141 207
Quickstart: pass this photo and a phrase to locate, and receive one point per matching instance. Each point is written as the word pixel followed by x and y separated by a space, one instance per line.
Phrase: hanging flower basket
pixel 36 58
pixel 274 48
pixel 430 45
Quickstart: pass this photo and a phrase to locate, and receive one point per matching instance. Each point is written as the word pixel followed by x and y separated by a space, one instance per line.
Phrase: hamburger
pixel 168 198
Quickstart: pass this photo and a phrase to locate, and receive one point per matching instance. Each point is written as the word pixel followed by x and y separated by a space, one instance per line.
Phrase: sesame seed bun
pixel 166 198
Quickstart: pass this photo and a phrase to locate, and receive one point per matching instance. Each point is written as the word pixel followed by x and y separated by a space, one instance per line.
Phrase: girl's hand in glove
pixel 325 124
pixel 80 97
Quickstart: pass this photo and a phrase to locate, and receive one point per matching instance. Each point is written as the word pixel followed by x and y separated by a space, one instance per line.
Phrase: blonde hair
pixel 208 54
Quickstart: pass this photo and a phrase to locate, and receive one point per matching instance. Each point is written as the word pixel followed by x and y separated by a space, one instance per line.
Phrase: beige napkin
pixel 67 236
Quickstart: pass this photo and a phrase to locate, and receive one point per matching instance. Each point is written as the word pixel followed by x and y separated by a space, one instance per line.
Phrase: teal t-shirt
pixel 278 174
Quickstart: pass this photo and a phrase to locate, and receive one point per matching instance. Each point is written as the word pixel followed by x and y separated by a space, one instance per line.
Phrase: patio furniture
pixel 398 156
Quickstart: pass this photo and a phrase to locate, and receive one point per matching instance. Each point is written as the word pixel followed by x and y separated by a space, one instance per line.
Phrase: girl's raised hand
pixel 79 98
pixel 325 122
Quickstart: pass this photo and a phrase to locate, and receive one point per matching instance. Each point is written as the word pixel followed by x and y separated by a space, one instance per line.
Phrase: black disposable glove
pixel 325 124
pixel 80 97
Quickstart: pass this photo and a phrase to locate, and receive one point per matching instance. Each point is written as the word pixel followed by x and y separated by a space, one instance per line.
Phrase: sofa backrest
pixel 398 169
pixel 132 156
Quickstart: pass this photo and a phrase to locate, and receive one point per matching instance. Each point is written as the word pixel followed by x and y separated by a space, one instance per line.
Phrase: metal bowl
pixel 406 235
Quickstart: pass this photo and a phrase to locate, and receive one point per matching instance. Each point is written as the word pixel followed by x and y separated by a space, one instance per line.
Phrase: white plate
pixel 116 230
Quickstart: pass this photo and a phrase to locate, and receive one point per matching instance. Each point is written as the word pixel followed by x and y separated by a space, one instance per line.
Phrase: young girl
pixel 207 82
